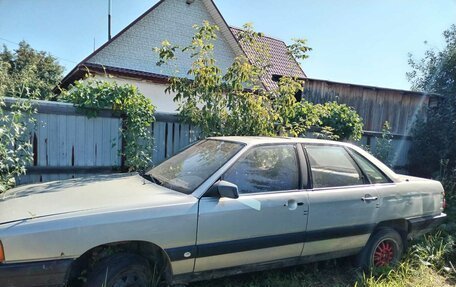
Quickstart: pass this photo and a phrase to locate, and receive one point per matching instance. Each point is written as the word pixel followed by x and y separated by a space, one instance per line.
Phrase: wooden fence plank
pixel 169 139
pixel 52 140
pixel 176 146
pixel 85 146
pixel 154 151
pixel 159 139
pixel 98 136
pixel 70 140
pixel 42 133
pixel 105 143
pixel 184 135
pixel 62 141
pixel 115 142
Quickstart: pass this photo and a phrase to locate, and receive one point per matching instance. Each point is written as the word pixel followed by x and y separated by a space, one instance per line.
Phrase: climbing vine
pixel 92 95
pixel 16 122
pixel 15 148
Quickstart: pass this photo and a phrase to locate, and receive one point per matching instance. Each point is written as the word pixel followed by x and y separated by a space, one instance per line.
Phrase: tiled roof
pixel 281 63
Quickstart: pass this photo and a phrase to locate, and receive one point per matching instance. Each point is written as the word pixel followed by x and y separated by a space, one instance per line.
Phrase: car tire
pixel 121 269
pixel 384 249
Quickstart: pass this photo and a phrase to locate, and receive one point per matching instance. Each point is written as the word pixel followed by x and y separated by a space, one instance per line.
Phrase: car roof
pixel 254 140
pixel 257 140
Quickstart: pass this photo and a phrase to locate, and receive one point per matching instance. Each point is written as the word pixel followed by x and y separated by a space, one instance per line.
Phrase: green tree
pixel 29 73
pixel 434 136
pixel 16 124
pixel 219 104
pixel 235 103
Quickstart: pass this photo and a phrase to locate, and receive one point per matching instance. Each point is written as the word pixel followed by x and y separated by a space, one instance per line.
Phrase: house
pixel 129 57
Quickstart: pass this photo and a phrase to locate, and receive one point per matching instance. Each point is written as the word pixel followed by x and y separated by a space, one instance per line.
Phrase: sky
pixel 354 41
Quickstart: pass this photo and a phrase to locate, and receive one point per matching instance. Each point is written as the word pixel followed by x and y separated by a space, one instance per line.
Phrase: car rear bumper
pixel 421 225
pixel 35 274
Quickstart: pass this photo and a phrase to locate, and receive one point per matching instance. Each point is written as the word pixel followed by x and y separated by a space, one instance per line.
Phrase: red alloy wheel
pixel 384 253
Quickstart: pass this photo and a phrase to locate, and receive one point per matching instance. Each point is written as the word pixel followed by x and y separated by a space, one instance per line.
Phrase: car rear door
pixel 268 220
pixel 343 204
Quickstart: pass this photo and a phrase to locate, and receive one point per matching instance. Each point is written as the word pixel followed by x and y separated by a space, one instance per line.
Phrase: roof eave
pixel 81 70
pixel 66 81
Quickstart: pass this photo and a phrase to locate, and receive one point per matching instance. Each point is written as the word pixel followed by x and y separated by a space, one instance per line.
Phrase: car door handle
pixel 368 198
pixel 293 204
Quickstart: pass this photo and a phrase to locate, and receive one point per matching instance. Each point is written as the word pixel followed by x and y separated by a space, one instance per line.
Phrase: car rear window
pixel 372 172
pixel 332 166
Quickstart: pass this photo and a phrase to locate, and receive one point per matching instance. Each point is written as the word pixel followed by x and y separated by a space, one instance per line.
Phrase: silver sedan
pixel 222 206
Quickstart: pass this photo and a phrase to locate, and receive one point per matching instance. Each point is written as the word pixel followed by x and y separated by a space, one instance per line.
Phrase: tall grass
pixel 429 262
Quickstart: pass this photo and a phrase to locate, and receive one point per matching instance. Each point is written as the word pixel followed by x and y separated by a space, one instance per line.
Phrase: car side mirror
pixel 227 189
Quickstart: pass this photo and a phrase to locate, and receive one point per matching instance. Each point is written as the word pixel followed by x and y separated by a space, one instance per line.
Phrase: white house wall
pixel 172 20
pixel 154 91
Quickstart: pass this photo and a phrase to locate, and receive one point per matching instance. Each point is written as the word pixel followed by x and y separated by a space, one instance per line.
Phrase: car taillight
pixel 2 253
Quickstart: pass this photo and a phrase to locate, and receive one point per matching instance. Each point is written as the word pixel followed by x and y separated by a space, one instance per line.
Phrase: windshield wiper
pixel 151 178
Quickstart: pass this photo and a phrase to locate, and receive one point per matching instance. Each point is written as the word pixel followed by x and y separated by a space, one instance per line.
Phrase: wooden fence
pixel 67 144
pixel 171 136
pixel 400 146
pixel 376 105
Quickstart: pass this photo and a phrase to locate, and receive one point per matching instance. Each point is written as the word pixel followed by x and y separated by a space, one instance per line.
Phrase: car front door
pixel 343 203
pixel 268 220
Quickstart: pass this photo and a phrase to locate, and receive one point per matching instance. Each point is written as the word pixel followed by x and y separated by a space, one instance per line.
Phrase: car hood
pixel 113 191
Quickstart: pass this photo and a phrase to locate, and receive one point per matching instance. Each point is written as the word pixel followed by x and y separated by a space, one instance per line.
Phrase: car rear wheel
pixel 121 270
pixel 383 249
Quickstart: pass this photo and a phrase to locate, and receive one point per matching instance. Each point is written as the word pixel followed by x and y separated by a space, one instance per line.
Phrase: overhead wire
pixel 59 58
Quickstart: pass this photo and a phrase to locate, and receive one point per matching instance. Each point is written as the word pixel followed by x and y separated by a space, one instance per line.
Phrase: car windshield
pixel 187 170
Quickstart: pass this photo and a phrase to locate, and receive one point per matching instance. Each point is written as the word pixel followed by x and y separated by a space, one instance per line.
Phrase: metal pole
pixel 109 19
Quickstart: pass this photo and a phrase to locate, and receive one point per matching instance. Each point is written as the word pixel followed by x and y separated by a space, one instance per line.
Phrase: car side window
pixel 371 171
pixel 332 166
pixel 266 168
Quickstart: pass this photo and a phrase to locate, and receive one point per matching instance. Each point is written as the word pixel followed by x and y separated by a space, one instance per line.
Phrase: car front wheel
pixel 383 249
pixel 121 270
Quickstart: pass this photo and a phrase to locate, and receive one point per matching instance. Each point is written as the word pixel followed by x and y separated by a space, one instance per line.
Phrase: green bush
pixel 344 121
pixel 384 146
pixel 29 73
